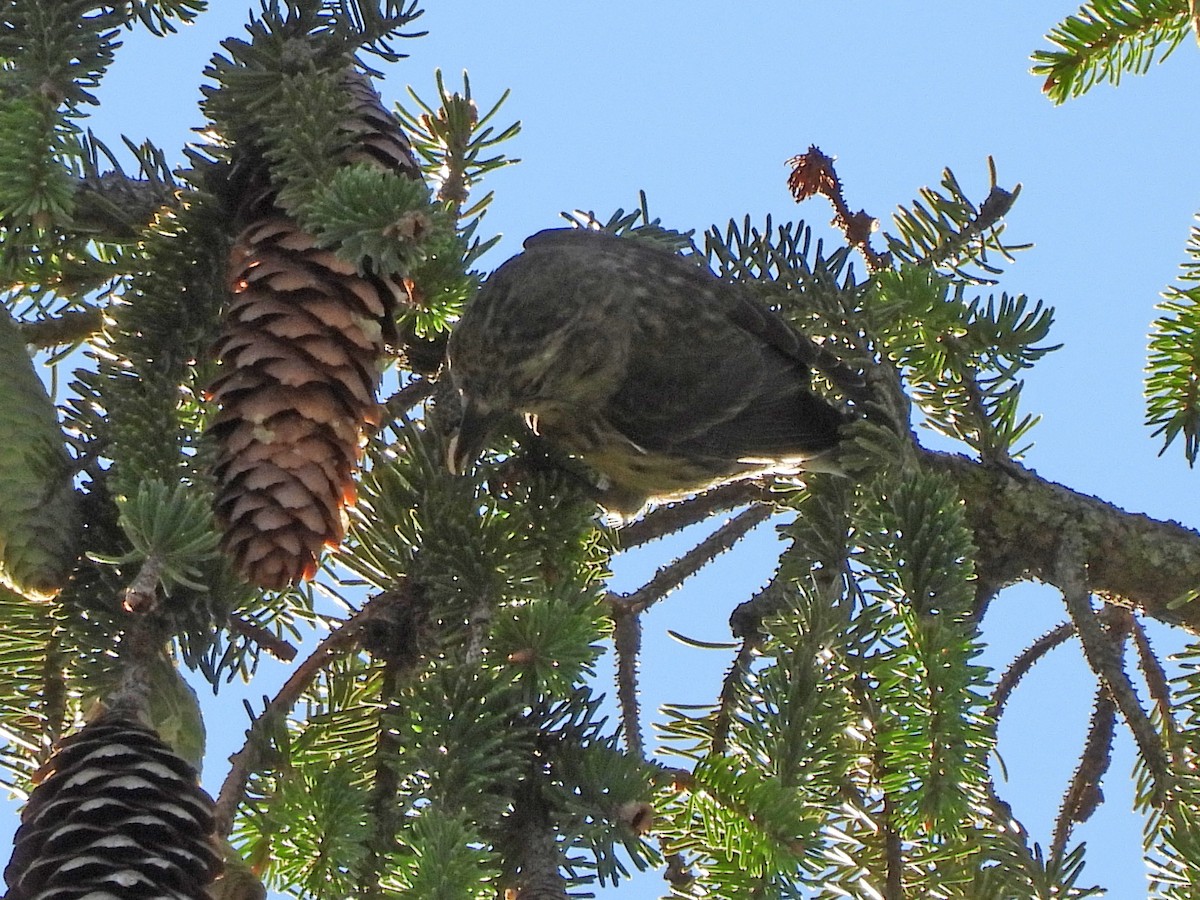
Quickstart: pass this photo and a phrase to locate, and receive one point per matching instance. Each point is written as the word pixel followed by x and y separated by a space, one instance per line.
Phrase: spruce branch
pixel 667 578
pixel 944 230
pixel 1172 387
pixel 417 391
pixel 1104 658
pixel 451 140
pixel 1106 39
pixel 1084 795
pixel 344 640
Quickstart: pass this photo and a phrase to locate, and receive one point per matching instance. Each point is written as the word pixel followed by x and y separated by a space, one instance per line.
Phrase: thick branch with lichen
pixel 1131 560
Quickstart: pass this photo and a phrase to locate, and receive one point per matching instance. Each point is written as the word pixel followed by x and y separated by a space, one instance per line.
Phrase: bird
pixel 659 376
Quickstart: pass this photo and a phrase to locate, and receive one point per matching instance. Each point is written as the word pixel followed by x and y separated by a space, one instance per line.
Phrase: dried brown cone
pixel 116 816
pixel 301 354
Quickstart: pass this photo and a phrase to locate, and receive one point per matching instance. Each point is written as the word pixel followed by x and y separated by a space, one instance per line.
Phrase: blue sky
pixel 700 104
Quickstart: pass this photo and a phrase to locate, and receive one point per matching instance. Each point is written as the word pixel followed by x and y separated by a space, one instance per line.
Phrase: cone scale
pixel 116 816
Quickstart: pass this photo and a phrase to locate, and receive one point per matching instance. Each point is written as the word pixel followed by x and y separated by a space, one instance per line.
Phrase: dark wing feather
pixel 709 371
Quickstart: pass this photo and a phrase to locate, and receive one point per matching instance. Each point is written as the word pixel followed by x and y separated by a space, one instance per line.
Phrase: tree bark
pixel 1019 520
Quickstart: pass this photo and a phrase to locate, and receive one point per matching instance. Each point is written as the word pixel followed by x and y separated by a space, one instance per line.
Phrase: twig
pixel 384 811
pixel 730 689
pixel 1084 794
pixel 268 640
pixel 676 516
pixel 141 595
pixel 670 577
pixel 994 454
pixel 54 696
pixel 1159 686
pixel 995 206
pixel 70 327
pixel 247 759
pixel 813 173
pixel 1156 678
pixel 746 619
pixel 627 641
pixel 407 397
pixel 1020 666
pixel 1105 660
pixel 677 874
pixel 894 851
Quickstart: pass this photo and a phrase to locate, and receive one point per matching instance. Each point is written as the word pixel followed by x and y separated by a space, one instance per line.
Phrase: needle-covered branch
pixel 344 640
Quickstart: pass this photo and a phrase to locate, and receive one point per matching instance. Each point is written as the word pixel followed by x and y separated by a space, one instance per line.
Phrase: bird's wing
pixel 706 371
pixel 721 377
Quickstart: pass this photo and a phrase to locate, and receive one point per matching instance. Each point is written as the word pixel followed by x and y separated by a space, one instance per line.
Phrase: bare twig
pixel 730 689
pixel 247 759
pixel 408 396
pixel 627 641
pixel 670 577
pixel 268 640
pixel 70 327
pixel 676 516
pixel 1083 795
pixel 1103 655
pixel 1020 666
pixel 1159 686
pixel 1156 678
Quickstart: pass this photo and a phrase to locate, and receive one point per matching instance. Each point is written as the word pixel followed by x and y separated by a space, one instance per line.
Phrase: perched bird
pixel 655 373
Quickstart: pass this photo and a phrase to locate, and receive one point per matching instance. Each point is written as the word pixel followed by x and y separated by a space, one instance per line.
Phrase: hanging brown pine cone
pixel 301 354
pixel 117 816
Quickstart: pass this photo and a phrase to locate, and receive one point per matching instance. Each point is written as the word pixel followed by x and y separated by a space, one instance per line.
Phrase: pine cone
pixel 117 816
pixel 301 354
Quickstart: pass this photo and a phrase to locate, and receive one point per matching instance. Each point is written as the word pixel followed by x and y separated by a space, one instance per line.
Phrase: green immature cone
pixel 38 515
